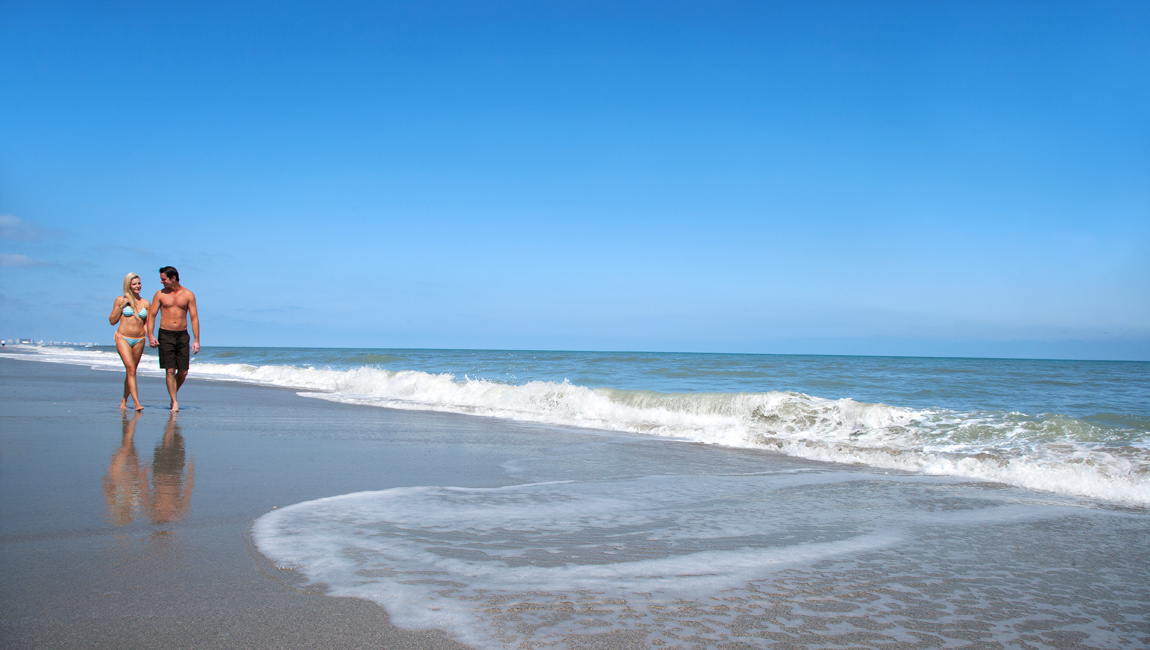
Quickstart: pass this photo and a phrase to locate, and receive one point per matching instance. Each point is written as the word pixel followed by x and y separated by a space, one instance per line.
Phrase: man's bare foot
pixel 175 407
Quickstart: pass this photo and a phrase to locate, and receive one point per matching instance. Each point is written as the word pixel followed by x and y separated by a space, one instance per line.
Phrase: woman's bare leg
pixel 137 353
pixel 130 355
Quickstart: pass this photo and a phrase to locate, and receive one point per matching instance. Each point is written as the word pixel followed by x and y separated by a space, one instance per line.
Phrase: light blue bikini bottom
pixel 131 342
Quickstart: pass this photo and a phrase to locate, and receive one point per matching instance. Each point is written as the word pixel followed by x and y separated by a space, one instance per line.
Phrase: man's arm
pixel 195 316
pixel 150 325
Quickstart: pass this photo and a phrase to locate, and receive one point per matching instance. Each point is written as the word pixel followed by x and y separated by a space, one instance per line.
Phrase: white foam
pixel 94 359
pixel 1058 455
pixel 532 564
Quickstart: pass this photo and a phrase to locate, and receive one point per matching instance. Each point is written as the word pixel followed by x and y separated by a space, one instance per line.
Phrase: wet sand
pixel 97 553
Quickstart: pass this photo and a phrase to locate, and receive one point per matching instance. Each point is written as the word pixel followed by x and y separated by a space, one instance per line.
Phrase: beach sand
pixel 74 579
pixel 136 532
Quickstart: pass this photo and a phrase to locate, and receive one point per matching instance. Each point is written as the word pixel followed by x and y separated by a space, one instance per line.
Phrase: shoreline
pixel 1016 435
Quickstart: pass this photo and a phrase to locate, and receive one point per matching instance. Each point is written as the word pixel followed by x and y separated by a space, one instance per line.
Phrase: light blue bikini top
pixel 127 311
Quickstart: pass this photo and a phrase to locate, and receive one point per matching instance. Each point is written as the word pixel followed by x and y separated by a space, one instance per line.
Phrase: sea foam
pixel 1049 452
pixel 659 559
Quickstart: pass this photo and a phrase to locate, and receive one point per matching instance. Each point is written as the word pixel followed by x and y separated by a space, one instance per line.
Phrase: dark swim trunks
pixel 174 349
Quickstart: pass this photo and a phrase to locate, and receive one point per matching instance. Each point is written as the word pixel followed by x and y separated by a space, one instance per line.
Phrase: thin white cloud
pixel 15 259
pixel 13 227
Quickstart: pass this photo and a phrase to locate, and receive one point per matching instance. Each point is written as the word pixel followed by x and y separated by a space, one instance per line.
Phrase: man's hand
pixel 196 347
pixel 153 342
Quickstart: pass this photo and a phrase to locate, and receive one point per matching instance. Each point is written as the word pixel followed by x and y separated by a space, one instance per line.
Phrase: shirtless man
pixel 175 304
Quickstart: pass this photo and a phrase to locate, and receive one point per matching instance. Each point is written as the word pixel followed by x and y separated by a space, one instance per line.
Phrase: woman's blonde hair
pixel 128 292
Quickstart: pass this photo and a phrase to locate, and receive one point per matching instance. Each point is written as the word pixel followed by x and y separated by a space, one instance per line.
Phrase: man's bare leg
pixel 174 380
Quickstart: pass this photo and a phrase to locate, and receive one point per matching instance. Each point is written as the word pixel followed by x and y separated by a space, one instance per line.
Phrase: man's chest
pixel 173 302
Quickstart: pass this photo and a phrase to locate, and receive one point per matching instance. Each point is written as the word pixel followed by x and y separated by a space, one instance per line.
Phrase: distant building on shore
pixel 16 341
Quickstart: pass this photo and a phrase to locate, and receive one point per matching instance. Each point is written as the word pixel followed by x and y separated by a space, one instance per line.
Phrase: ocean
pixel 1069 427
pixel 730 501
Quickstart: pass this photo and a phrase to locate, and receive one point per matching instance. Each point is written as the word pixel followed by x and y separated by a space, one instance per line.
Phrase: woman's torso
pixel 131 323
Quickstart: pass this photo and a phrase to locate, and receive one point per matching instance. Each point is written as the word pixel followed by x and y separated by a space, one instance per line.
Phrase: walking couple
pixel 137 322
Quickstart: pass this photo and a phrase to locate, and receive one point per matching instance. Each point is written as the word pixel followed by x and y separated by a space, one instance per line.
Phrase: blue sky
pixel 920 178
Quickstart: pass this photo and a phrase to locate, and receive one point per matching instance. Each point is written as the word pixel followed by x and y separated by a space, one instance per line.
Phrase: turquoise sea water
pixel 1073 427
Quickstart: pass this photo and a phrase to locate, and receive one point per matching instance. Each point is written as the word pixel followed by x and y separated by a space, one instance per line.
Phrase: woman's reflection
pixel 171 484
pixel 126 485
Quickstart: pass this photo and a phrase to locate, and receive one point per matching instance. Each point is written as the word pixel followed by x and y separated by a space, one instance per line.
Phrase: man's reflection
pixel 171 484
pixel 126 484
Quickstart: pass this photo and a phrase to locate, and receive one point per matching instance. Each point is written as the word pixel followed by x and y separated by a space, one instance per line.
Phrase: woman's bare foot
pixel 175 407
pixel 139 406
pixel 124 404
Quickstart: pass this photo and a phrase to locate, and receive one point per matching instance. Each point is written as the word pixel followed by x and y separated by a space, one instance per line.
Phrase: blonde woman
pixel 131 312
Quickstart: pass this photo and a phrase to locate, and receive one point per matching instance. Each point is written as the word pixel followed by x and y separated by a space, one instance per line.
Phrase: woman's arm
pixel 117 310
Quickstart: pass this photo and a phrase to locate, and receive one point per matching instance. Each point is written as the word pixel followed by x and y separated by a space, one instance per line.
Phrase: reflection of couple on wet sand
pixel 167 496
pixel 136 323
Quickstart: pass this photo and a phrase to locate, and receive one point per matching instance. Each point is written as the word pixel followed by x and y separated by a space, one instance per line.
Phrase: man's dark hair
pixel 171 272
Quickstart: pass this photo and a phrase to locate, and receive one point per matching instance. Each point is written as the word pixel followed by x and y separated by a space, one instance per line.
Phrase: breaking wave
pixel 1045 451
